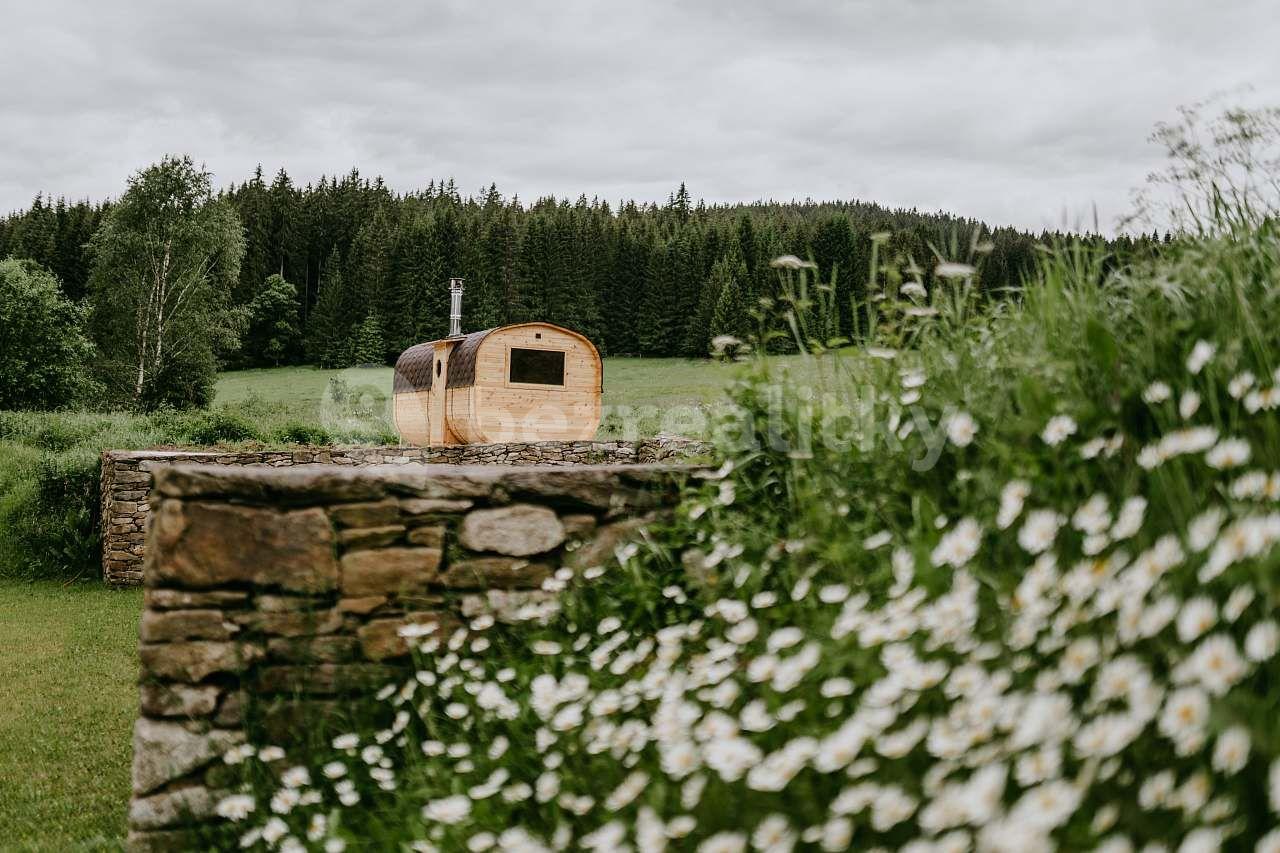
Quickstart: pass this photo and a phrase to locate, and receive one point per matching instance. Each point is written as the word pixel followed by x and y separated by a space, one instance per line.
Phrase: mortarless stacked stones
pixel 126 476
pixel 285 589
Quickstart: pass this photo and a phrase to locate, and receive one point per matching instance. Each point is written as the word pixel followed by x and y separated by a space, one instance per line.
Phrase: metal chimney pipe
pixel 455 307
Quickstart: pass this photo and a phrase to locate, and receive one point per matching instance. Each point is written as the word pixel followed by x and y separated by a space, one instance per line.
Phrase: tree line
pixel 347 271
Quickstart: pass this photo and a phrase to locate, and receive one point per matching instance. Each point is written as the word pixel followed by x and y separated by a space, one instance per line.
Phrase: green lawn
pixel 68 697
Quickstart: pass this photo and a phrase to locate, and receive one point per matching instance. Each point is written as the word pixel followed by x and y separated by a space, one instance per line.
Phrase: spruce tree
pixel 369 268
pixel 488 291
pixel 570 300
pixel 445 261
pixel 534 272
pixel 631 265
pixel 680 205
pixel 413 265
pixel 36 234
pixel 669 293
pixel 591 258
pixel 328 329
pixel 728 280
pixel 284 220
pixel 833 251
pixel 253 206
pixel 368 346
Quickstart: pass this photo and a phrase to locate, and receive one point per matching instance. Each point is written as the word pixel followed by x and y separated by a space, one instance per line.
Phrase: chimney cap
pixel 455 284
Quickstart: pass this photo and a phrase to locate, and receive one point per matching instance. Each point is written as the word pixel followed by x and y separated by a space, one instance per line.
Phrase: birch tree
pixel 165 263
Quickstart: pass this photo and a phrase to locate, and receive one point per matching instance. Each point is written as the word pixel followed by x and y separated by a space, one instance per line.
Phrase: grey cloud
pixel 1022 113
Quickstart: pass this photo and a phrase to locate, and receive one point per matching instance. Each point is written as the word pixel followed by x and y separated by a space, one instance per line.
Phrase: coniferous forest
pixel 347 271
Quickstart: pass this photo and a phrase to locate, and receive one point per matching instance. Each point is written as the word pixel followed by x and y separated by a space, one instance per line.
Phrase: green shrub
pixel 223 426
pixel 49 513
pixel 296 432
pixel 59 434
pixel 176 425
pixel 67 500
pixel 186 381
pixel 49 464
pixel 339 391
pixel 254 405
pixel 10 424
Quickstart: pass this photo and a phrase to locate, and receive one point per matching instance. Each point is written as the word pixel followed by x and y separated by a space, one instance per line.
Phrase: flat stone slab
pixel 519 530
pixel 309 484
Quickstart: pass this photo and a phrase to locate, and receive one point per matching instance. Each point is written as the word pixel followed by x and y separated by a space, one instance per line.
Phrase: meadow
pixel 638 394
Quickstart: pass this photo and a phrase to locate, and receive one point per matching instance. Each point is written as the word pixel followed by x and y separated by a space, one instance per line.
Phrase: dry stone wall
pixel 127 476
pixel 287 589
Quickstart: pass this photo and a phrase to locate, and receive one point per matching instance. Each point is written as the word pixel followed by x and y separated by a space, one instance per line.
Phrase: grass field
pixel 641 395
pixel 68 670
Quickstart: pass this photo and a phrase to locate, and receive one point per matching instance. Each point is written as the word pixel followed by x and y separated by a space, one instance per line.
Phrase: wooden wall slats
pixel 492 408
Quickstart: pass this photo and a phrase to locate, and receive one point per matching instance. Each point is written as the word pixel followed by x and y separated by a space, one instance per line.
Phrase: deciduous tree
pixel 166 260
pixel 44 351
pixel 272 336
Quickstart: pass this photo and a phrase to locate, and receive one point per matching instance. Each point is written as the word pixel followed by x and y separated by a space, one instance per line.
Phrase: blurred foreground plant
pixel 1062 635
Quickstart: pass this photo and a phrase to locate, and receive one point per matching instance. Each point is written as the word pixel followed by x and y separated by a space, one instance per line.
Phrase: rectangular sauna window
pixel 537 366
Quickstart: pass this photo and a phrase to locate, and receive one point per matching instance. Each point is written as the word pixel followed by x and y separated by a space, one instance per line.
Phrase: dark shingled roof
pixel 416 365
pixel 462 360
pixel 414 369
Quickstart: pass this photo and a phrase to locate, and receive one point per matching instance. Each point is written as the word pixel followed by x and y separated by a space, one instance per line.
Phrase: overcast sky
pixel 1025 112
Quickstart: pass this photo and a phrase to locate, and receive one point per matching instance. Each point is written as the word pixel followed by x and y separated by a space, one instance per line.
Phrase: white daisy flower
pixel 1157 392
pixel 1200 355
pixel 961 429
pixel 1058 429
